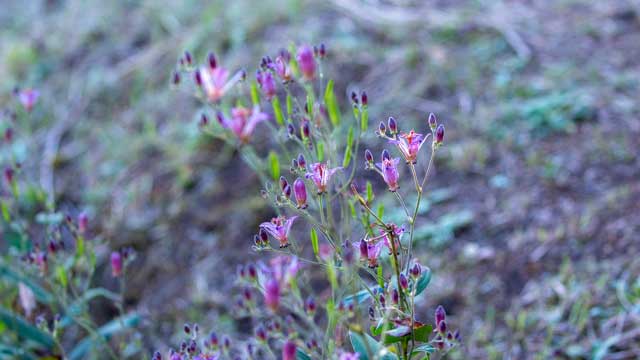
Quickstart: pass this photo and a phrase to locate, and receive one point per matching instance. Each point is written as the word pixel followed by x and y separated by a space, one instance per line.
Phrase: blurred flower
pixel 289 351
pixel 267 83
pixel 389 171
pixel 349 356
pixel 27 299
pixel 433 122
pixel 83 222
pixel 28 98
pixel 306 62
pixel 279 228
pixel 272 294
pixel 215 82
pixel 282 69
pixel 243 121
pixel 439 134
pixel 440 316
pixel 116 264
pixel 320 174
pixel 409 145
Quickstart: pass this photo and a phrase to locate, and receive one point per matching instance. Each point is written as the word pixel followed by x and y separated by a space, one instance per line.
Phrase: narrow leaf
pixel 314 242
pixel 277 110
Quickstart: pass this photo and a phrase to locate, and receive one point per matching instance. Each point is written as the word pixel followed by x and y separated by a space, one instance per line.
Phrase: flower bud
pixel 287 191
pixel 300 191
pixel 442 326
pixel 440 315
pixel 395 296
pixel 301 161
pixel 197 77
pixel 252 271
pixel 283 183
pixel 310 305
pixel 404 283
pixel 322 50
pixel 9 175
pixel 386 155
pixel 83 222
pixel 393 126
pixel 368 156
pixel 354 98
pixel 175 78
pixel 306 62
pixel 211 59
pixel 213 339
pixel 433 123
pixel 116 264
pixel 382 128
pixel 383 301
pixel 289 351
pixel 267 83
pixel 246 293
pixel 294 165
pixel 364 98
pixel 204 120
pixel 261 333
pixel 364 250
pixel 188 58
pixel 157 356
pixel 306 130
pixel 291 130
pixel 416 270
pixel 264 237
pixel 439 134
pixel 272 294
pixel 256 240
pixel 187 329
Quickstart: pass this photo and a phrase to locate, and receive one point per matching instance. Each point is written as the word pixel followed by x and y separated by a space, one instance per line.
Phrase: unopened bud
pixel 416 270
pixel 175 78
pixel 301 161
pixel 386 155
pixel 283 183
pixel 404 283
pixel 211 59
pixel 433 123
pixel 188 58
pixel 440 134
pixel 116 264
pixel 368 156
pixel 382 128
pixel 393 126
pixel 364 98
pixel 395 297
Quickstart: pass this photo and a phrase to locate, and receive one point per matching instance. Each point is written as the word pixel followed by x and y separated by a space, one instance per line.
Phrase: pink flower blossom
pixel 267 83
pixel 243 121
pixel 389 171
pixel 215 82
pixel 282 69
pixel 409 145
pixel 279 228
pixel 320 174
pixel 28 98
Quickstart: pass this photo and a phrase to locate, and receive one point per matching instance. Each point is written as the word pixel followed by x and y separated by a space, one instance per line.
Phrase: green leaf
pixel 332 104
pixel 255 95
pixel 400 333
pixel 347 151
pixel 423 281
pixel 277 110
pixel 61 273
pixel 106 331
pixel 320 150
pixel 289 105
pixel 364 120
pixel 274 165
pixel 369 192
pixel 5 211
pixel 300 355
pixel 314 242
pixel 25 330
pixel 380 210
pixel 362 343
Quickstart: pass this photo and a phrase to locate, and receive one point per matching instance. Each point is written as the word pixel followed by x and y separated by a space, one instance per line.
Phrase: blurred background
pixel 533 228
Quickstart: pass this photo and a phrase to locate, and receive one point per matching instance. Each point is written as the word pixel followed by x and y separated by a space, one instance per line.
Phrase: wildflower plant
pixel 49 261
pixel 365 308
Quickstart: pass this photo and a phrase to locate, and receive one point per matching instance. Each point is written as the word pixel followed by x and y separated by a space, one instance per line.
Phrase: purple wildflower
pixel 243 121
pixel 409 145
pixel 267 83
pixel 28 98
pixel 389 171
pixel 279 228
pixel 320 174
pixel 116 264
pixel 272 294
pixel 289 350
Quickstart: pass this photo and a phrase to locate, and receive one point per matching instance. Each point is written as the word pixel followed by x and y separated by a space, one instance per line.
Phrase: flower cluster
pixel 379 291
